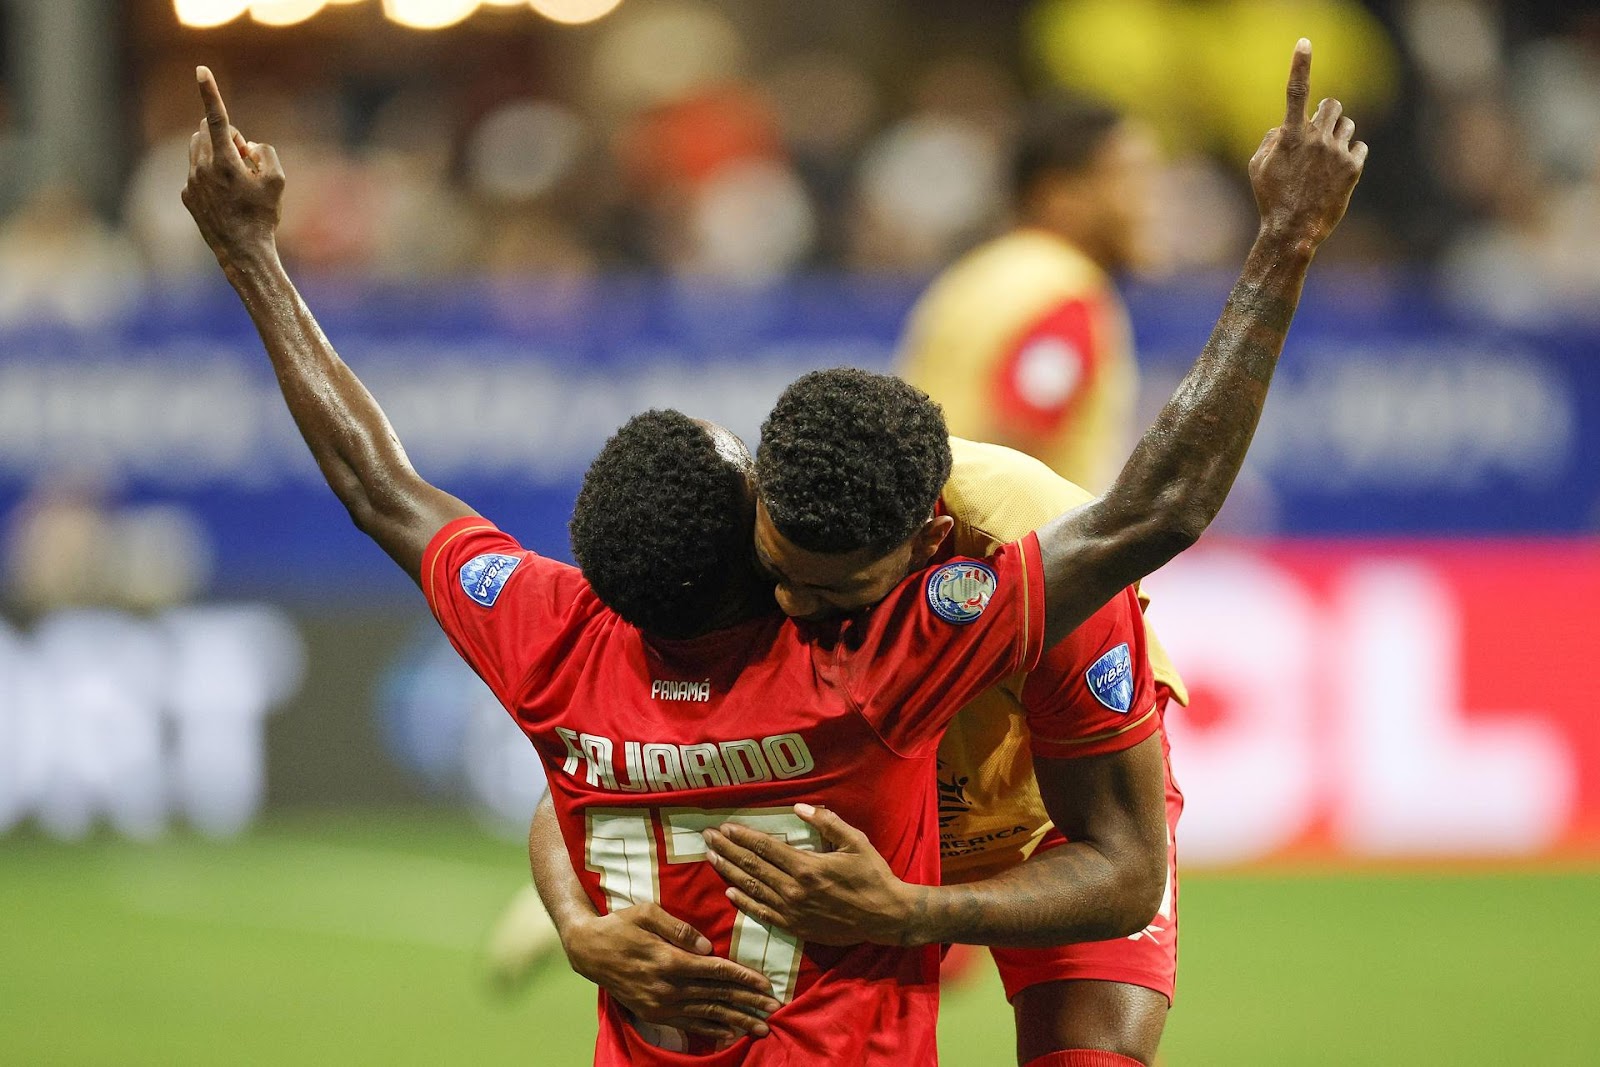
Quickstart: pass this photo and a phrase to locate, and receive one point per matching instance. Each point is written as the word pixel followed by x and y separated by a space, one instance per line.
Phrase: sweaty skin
pixel 1171 488
pixel 1109 807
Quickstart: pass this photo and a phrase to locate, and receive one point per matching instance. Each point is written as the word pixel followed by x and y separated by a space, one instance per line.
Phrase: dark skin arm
pixel 1179 475
pixel 235 193
pixel 660 968
pixel 1105 882
pixel 656 965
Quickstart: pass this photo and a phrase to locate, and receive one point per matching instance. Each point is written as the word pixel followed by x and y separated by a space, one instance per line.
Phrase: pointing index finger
pixel 216 114
pixel 1299 86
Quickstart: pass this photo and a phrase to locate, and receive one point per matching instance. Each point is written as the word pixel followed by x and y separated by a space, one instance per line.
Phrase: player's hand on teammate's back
pixel 1305 170
pixel 843 897
pixel 235 188
pixel 661 970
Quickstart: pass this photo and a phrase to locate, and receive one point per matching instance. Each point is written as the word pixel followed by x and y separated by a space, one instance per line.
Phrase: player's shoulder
pixel 1027 262
pixel 1016 269
pixel 473 558
pixel 997 494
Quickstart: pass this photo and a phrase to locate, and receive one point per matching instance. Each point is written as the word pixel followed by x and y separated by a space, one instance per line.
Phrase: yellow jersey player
pixel 1024 341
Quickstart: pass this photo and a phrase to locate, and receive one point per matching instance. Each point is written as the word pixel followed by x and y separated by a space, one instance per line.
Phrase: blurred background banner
pixel 1411 689
pixel 1391 415
pixel 524 222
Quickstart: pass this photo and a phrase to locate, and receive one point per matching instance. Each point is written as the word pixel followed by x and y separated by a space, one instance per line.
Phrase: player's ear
pixel 926 541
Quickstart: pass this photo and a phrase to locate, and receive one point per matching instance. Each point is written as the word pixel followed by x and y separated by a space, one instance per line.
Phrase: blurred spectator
pixel 169 245
pixel 928 186
pixel 523 164
pixel 69 546
pixel 10 153
pixel 826 108
pixel 740 141
pixel 422 226
pixel 60 263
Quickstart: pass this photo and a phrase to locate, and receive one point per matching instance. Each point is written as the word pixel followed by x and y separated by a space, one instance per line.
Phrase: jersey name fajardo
pixel 649 743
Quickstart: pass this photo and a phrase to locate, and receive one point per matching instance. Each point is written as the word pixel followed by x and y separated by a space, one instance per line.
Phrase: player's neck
pixel 753 602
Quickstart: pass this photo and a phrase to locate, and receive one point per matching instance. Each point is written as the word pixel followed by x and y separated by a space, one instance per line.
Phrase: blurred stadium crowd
pixel 751 140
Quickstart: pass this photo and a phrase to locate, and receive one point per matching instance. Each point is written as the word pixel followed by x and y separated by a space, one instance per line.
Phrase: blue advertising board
pixel 1391 415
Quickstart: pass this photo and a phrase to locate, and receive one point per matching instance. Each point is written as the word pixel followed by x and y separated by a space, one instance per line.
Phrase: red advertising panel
pixel 1411 700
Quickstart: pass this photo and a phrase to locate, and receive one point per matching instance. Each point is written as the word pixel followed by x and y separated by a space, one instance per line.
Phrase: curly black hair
pixel 662 525
pixel 851 460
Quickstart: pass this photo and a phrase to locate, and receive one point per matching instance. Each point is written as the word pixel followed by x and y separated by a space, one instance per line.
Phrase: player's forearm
pixel 1071 893
pixel 342 424
pixel 553 875
pixel 1182 469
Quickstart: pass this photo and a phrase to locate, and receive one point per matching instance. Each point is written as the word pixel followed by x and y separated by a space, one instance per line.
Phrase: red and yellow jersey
pixel 991 814
pixel 648 743
pixel 1024 342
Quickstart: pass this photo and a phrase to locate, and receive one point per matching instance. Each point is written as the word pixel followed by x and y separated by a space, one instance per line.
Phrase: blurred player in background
pixel 1024 341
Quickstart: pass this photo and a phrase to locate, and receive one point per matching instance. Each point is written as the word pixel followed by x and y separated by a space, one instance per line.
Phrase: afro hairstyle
pixel 852 460
pixel 662 525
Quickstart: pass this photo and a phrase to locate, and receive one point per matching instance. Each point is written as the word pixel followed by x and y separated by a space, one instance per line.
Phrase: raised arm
pixel 235 193
pixel 1180 473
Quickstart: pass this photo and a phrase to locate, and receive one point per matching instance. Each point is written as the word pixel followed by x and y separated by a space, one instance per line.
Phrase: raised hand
pixel 235 188
pixel 1304 171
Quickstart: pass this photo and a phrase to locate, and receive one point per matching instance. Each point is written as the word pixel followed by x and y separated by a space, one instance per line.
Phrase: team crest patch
pixel 958 592
pixel 1111 679
pixel 482 577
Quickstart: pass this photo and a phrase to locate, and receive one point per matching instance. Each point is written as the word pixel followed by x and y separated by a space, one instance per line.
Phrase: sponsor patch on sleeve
pixel 1111 679
pixel 482 577
pixel 958 592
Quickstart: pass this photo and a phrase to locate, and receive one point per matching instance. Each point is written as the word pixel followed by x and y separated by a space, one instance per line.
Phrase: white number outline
pixel 620 848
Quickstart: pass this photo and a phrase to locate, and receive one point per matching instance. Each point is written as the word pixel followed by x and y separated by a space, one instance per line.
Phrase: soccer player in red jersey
pixel 653 739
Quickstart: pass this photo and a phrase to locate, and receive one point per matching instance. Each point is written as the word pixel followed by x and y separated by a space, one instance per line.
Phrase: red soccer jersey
pixel 1094 693
pixel 649 743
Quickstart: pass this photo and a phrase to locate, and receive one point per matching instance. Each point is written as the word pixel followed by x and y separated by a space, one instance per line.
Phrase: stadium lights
pixel 415 14
pixel 207 13
pixel 574 12
pixel 429 14
pixel 284 12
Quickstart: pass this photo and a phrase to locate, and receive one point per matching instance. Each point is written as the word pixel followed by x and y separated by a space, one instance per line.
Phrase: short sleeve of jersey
pixel 505 609
pixel 1047 366
pixel 1094 692
pixel 942 637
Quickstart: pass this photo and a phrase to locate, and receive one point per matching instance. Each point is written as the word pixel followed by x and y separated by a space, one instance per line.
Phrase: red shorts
pixel 1148 958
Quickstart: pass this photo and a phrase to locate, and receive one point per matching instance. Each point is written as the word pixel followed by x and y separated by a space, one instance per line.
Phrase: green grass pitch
pixel 321 941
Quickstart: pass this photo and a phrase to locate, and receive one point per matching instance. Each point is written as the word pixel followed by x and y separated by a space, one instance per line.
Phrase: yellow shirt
pixel 991 815
pixel 1025 342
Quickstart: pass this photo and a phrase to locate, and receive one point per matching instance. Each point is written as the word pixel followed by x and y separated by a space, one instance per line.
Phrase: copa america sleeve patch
pixel 1110 679
pixel 482 577
pixel 958 592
